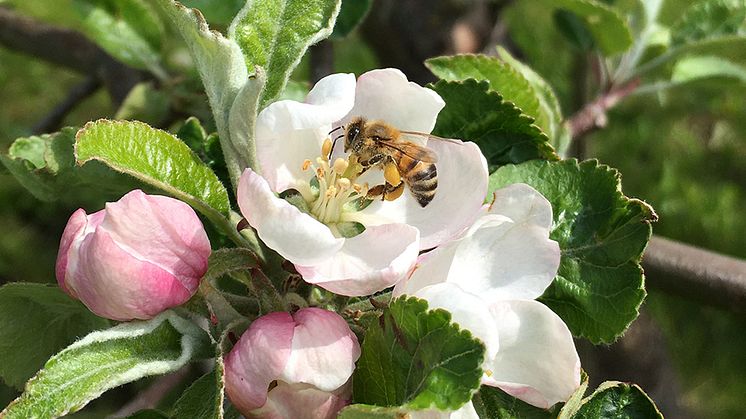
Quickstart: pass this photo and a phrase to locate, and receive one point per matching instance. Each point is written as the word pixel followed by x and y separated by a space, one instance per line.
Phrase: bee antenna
pixel 334 143
pixel 335 129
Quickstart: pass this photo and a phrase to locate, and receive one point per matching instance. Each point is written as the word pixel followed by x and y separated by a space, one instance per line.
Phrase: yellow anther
pixel 391 174
pixel 340 165
pixel 395 194
pixel 326 148
pixel 488 373
pixel 319 172
pixel 357 187
pixel 306 164
pixel 331 191
pixel 343 183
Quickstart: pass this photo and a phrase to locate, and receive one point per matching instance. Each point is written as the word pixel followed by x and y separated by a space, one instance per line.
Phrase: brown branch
pixel 68 49
pixel 53 120
pixel 593 115
pixel 687 271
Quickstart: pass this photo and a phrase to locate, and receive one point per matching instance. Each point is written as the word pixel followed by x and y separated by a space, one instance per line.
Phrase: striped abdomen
pixel 421 178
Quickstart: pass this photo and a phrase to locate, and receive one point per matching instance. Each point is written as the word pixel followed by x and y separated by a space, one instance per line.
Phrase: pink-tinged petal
pixel 374 260
pixel 300 401
pixel 162 231
pixel 257 359
pixel 114 284
pixel 289 132
pixel 324 350
pixel 387 95
pixel 464 412
pixel 73 232
pixel 502 260
pixel 468 310
pixel 524 205
pixel 458 201
pixel 537 361
pixel 296 236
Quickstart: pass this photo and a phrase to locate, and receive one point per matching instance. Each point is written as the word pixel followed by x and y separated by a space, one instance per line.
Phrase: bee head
pixel 353 130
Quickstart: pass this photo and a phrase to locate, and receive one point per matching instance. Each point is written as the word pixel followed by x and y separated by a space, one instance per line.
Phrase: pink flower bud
pixel 135 258
pixel 292 366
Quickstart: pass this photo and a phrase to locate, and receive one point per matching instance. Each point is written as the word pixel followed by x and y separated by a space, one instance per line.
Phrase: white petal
pixel 324 350
pixel 386 94
pixel 374 260
pixel 289 132
pixel 462 186
pixel 432 268
pixel 468 310
pixel 537 361
pixel 299 401
pixel 464 412
pixel 296 236
pixel 502 260
pixel 523 204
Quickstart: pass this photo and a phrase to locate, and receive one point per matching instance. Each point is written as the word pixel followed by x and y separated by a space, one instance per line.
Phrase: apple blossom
pixel 292 366
pixel 488 280
pixel 335 237
pixel 135 258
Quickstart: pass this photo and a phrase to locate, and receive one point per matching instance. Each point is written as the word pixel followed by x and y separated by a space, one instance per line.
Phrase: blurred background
pixel 679 146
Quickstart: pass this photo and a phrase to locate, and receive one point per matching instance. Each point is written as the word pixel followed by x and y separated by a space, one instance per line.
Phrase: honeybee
pixel 376 143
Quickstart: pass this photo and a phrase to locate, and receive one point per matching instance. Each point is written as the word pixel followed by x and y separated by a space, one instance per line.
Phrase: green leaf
pixel 144 103
pixel 550 117
pixel 619 401
pixel 601 233
pixel 36 321
pixel 700 67
pixel 503 133
pixel 417 358
pixel 129 30
pixel 572 404
pixel 156 158
pixel 148 414
pixel 204 398
pixel 503 79
pixel 708 20
pixel 274 34
pixel 107 359
pixel 364 411
pixel 610 31
pixel 493 403
pixel 45 165
pixel 351 14
pixel 218 12
pixel 222 68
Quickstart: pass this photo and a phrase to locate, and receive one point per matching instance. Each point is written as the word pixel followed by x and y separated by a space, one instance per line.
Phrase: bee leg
pixel 376 191
pixel 387 192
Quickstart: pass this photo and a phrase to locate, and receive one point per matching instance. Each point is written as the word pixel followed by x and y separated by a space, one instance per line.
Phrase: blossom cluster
pixel 485 259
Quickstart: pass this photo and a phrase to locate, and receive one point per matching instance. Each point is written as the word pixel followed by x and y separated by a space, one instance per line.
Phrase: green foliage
pixel 274 34
pixel 493 403
pixel 217 12
pixel 601 233
pixel 156 158
pixel 364 411
pixel 45 165
pixel 610 31
pixel 35 322
pixel 417 358
pixel 144 103
pixel 351 14
pixel 619 401
pixel 710 19
pixel 701 67
pixel 107 359
pixel 503 133
pixel 204 398
pixel 129 30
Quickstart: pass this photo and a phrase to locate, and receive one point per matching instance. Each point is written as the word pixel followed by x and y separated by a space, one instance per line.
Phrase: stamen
pixel 326 148
pixel 340 165
pixel 306 164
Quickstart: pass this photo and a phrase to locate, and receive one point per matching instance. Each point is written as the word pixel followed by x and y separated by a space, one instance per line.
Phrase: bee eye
pixel 354 131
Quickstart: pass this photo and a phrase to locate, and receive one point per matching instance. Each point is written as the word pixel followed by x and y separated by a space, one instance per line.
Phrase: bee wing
pixel 412 150
pixel 431 136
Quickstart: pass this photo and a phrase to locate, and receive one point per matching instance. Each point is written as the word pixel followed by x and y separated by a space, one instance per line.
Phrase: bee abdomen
pixel 422 181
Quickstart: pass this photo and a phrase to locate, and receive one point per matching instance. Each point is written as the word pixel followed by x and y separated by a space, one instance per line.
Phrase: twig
pixel 697 274
pixel 593 115
pixel 66 48
pixel 151 396
pixel 53 120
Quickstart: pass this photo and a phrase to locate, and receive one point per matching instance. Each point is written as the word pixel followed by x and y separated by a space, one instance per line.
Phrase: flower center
pixel 337 190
